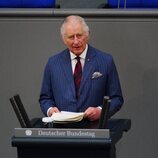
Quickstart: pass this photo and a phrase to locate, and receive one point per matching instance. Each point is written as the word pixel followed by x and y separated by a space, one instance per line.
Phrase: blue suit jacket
pixel 58 84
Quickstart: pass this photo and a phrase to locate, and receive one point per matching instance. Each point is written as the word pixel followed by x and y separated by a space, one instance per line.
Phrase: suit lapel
pixel 67 70
pixel 89 66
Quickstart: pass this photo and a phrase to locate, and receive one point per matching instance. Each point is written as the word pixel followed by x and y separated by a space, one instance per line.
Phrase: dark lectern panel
pixel 66 153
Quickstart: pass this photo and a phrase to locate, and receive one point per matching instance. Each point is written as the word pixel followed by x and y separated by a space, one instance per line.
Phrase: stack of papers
pixel 64 117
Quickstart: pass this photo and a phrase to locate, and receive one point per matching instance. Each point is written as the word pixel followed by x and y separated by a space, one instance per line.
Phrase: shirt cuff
pixel 48 111
pixel 99 107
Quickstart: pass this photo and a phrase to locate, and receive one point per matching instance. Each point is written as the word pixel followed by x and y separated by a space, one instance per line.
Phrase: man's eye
pixel 71 37
pixel 79 36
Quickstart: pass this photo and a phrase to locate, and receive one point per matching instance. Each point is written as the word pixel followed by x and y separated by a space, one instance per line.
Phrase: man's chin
pixel 77 52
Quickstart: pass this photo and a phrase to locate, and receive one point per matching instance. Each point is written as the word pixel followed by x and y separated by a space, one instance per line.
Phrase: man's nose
pixel 75 39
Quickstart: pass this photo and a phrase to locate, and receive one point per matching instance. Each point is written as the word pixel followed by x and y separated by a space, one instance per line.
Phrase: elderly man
pixel 80 76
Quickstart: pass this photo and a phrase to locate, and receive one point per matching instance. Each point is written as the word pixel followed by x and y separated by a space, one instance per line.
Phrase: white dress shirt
pixel 82 59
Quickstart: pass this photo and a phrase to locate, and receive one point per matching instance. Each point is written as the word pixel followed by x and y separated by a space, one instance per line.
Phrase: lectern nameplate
pixel 62 133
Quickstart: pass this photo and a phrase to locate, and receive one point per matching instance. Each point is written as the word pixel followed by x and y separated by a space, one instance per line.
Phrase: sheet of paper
pixel 64 117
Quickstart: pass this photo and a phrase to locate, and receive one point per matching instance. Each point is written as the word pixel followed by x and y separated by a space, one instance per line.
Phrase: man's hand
pixel 92 113
pixel 53 110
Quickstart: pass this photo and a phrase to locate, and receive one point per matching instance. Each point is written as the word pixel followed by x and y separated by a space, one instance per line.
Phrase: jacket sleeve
pixel 114 88
pixel 46 99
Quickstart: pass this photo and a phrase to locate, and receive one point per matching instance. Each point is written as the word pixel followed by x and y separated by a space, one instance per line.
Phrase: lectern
pixel 57 146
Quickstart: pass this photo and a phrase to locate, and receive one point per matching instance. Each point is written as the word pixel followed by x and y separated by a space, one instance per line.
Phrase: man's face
pixel 75 38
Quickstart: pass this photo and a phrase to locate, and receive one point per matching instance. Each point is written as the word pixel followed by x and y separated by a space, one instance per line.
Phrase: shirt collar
pixel 83 55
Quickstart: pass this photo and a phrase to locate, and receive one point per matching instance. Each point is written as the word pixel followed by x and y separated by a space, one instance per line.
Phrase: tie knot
pixel 77 58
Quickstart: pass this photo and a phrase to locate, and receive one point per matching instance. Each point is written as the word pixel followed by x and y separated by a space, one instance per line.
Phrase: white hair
pixel 75 18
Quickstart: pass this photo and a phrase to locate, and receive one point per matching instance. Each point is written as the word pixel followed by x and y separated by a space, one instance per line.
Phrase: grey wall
pixel 26 44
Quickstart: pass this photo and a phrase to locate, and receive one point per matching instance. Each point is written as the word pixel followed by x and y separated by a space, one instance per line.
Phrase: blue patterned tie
pixel 77 75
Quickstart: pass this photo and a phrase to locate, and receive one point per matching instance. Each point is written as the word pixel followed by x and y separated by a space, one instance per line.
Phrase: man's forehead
pixel 74 29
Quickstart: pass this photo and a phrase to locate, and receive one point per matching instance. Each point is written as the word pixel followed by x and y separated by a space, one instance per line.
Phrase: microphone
pixel 104 113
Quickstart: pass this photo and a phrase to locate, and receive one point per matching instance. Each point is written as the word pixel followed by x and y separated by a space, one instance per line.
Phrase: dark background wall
pixel 26 43
pixel 80 3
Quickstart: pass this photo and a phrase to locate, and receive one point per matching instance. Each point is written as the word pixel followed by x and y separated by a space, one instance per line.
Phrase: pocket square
pixel 96 75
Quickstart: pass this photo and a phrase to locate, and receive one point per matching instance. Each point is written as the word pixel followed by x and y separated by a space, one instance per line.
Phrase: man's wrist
pixel 48 111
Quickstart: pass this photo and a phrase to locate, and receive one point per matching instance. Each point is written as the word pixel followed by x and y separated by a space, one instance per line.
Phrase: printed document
pixel 64 117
